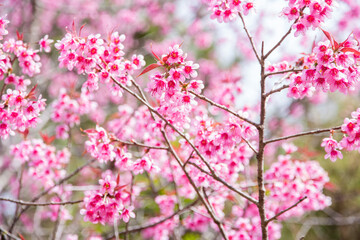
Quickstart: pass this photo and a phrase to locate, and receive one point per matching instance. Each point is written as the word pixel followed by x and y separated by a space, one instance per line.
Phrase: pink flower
pixel 45 44
pixel 127 213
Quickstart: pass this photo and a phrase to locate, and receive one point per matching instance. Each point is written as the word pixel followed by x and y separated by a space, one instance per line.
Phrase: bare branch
pixel 133 142
pixel 250 37
pixel 303 134
pixel 283 72
pixel 276 90
pixel 21 202
pixel 49 189
pixel 3 232
pixel 146 226
pixel 203 200
pixel 285 210
pixel 284 37
pixel 214 175
pixel 250 145
pixel 223 108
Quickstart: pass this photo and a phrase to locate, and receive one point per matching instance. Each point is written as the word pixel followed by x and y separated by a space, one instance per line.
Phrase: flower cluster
pixel 310 13
pixel 171 87
pixel 45 163
pixel 290 180
pixel 19 107
pixel 350 140
pixel 103 61
pixel 19 111
pixel 67 110
pixel 226 11
pixel 100 144
pixel 29 60
pixel 330 67
pixel 106 205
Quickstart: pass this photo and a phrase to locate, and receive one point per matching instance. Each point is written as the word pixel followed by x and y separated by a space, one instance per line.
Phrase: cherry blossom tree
pixel 128 127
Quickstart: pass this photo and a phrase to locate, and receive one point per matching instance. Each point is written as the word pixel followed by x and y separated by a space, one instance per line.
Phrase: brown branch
pixel 214 175
pixel 250 145
pixel 24 203
pixel 282 72
pixel 260 156
pixel 223 108
pixel 146 226
pixel 76 171
pixel 284 37
pixel 203 200
pixel 303 134
pixel 285 210
pixel 250 37
pixel 133 142
pixel 276 90
pixel 3 232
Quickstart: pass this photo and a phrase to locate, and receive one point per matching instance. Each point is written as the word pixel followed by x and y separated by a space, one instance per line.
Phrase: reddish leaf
pixel 156 56
pixel 25 133
pixel 81 28
pixel 31 94
pixel 149 68
pixel 330 186
pixel 117 179
pixel 21 236
pixel 19 36
pixel 347 49
pixel 47 139
pixel 120 187
pixel 334 44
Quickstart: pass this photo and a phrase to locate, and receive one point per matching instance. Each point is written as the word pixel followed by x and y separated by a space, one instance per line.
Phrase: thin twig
pixel 4 232
pixel 250 145
pixel 250 37
pixel 76 171
pixel 214 175
pixel 276 90
pixel 285 210
pixel 284 37
pixel 146 226
pixel 203 200
pixel 133 142
pixel 303 134
pixel 25 203
pixel 223 108
pixel 282 72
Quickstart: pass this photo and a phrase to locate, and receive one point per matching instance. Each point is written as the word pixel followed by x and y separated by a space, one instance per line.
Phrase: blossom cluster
pixel 19 107
pixel 308 13
pixel 46 164
pixel 106 204
pixel 350 140
pixel 19 111
pixel 68 108
pixel 171 87
pixel 102 60
pixel 290 180
pixel 226 11
pixel 330 67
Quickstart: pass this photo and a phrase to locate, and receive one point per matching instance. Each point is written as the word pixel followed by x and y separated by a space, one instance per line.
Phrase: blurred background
pixel 224 47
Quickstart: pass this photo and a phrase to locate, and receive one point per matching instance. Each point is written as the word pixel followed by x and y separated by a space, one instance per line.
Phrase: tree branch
pixel 285 210
pixel 145 226
pixel 303 134
pixel 276 90
pixel 49 189
pixel 21 202
pixel 202 97
pixel 3 232
pixel 250 37
pixel 133 142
